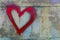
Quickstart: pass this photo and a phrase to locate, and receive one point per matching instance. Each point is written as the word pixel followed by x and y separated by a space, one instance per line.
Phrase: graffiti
pixel 31 11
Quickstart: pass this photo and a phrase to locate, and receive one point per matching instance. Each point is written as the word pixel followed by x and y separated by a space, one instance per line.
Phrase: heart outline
pixel 31 11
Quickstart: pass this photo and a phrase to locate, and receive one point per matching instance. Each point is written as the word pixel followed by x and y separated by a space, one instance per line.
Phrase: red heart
pixel 31 11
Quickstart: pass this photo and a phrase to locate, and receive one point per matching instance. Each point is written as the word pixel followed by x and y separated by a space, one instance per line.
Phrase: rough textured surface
pixel 45 27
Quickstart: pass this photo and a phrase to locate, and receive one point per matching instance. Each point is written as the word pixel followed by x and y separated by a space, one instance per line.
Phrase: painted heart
pixel 30 10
